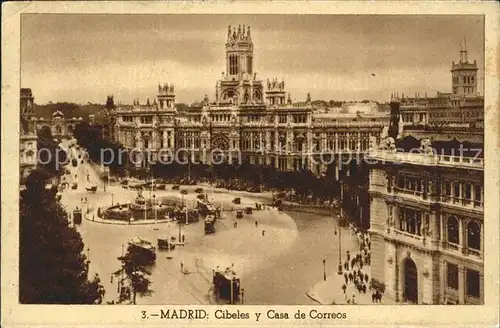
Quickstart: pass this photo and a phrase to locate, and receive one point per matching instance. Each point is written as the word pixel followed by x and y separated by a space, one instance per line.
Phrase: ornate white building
pixel 248 120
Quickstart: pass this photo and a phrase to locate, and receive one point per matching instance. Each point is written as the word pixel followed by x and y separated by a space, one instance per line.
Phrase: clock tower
pixel 238 85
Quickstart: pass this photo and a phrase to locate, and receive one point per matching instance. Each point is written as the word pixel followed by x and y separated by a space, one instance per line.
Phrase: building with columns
pixel 248 120
pixel 427 205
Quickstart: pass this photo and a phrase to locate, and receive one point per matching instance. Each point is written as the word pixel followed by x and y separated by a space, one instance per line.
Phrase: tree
pixel 135 275
pixel 51 156
pixel 52 267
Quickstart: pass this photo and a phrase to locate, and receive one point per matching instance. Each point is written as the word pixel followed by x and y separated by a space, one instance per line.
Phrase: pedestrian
pixel 345 277
pixel 263 232
pixel 344 288
pixel 350 276
pixel 256 223
pixel 348 255
pixel 366 277
pixel 182 267
pixel 183 238
pixel 373 297
pixel 353 298
pixel 364 289
pixel 111 278
pixel 361 264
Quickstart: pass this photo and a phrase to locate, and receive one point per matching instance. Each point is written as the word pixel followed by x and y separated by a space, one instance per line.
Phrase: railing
pixel 418 158
pixel 452 245
pixel 407 234
pixel 473 251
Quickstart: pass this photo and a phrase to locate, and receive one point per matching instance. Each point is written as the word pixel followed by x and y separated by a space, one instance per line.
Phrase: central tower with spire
pixel 239 84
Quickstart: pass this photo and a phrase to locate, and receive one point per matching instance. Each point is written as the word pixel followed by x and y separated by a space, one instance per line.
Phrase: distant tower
pixel 275 93
pixel 110 103
pixel 27 104
pixel 166 97
pixel 27 110
pixel 464 74
pixel 395 117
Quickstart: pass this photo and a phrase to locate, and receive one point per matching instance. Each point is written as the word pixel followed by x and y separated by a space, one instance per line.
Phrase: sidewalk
pixel 329 291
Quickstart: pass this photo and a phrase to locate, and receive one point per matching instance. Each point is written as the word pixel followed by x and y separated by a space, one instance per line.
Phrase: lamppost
pixel 88 258
pixel 156 209
pixel 179 232
pixel 340 229
pixel 324 269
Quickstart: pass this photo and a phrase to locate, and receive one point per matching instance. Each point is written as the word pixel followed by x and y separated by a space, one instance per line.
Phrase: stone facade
pixel 427 227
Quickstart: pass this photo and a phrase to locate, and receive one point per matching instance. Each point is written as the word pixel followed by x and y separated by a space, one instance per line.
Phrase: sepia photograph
pixel 176 159
pixel 249 167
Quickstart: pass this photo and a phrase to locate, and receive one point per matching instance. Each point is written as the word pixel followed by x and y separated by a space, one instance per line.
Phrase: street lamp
pixel 339 271
pixel 88 258
pixel 324 269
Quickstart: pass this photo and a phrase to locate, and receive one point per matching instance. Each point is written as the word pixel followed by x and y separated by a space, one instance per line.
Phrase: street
pixel 277 266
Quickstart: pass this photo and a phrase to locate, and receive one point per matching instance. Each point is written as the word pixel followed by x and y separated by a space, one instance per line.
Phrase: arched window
pixel 452 228
pixel 474 235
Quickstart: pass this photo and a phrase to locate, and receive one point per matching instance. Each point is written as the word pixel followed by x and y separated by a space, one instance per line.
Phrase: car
pixel 74 185
pixel 184 192
pixel 175 187
pixel 239 214
pixel 198 190
pixel 161 186
pixel 237 200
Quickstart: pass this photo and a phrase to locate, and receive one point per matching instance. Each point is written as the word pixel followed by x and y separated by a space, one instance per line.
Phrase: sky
pixel 84 57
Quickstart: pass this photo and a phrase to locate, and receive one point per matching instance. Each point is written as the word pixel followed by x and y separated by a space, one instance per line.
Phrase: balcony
pixel 407 234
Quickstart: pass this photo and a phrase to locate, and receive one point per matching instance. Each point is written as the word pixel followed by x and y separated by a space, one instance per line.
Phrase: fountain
pixel 141 209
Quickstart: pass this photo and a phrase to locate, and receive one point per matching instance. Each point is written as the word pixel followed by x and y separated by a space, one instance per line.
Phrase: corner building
pixel 427 209
pixel 249 120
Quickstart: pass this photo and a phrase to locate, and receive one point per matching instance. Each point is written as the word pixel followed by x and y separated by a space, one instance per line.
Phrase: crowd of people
pixel 355 273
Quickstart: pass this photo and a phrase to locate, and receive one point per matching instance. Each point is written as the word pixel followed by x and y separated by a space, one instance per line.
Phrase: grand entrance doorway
pixel 410 282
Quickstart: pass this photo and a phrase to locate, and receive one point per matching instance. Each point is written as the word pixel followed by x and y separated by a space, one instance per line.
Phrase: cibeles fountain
pixel 142 208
